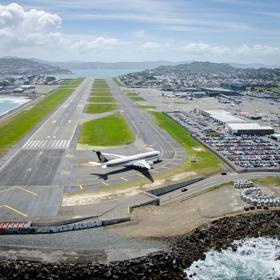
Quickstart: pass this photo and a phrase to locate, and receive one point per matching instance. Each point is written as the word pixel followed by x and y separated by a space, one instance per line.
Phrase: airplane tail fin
pixel 101 157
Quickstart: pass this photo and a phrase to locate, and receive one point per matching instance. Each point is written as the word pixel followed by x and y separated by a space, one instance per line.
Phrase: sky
pixel 240 31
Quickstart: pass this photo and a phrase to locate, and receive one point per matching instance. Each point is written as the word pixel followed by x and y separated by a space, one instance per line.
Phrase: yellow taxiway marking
pixel 26 190
pixel 19 188
pixel 81 186
pixel 14 210
pixel 124 179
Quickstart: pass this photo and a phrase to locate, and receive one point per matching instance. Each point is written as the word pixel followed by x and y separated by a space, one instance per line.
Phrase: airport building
pixel 221 116
pixel 249 129
pixel 218 91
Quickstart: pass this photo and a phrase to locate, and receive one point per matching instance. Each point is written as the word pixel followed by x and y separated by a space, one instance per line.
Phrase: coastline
pixel 169 264
pixel 17 106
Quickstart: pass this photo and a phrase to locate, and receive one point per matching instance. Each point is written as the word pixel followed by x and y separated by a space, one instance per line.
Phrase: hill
pixel 23 66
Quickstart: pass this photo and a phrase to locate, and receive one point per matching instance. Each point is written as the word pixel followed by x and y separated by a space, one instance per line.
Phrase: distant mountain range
pixel 206 69
pixel 209 68
pixel 138 65
pixel 23 66
pixel 111 65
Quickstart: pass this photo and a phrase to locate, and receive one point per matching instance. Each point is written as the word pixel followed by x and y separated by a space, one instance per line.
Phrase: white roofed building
pixel 249 129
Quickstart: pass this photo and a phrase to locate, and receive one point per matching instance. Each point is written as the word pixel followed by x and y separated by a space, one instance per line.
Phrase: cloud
pixel 97 44
pixel 20 28
pixel 149 46
pixel 204 49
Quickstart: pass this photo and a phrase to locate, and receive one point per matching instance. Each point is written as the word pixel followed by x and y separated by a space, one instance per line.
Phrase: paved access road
pixel 209 183
pixel 41 166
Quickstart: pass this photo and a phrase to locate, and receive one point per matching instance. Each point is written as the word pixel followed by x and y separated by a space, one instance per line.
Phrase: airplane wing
pixel 142 164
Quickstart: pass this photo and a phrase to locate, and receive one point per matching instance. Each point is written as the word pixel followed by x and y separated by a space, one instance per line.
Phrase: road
pixel 38 167
pixel 209 183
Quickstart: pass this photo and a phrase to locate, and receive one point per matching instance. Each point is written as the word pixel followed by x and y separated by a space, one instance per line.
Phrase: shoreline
pixel 17 106
pixel 168 264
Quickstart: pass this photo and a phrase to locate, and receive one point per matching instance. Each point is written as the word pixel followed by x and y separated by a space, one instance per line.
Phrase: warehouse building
pixel 249 129
pixel 221 116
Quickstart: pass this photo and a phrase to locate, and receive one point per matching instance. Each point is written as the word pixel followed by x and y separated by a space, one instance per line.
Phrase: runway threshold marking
pixel 14 210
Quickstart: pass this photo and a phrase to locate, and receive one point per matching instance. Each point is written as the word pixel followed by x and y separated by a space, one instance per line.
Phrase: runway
pixel 47 160
pixel 36 167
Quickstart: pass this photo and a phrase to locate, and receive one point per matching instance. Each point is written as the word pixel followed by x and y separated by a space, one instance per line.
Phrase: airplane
pixel 143 160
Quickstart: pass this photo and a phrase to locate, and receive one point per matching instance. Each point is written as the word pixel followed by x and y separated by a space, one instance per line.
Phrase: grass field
pixel 132 94
pixel 136 98
pixel 264 89
pixel 14 129
pixel 96 108
pixel 108 131
pixel 146 106
pixel 268 181
pixel 102 99
pixel 200 159
pixel 102 92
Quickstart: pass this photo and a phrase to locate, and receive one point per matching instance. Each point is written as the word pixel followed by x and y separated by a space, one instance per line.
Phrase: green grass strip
pixel 137 99
pixel 108 131
pixel 200 159
pixel 102 99
pixel 96 108
pixel 268 181
pixel 14 129
pixel 132 94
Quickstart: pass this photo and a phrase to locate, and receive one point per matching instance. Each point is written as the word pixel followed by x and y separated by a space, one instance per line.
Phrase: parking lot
pixel 244 152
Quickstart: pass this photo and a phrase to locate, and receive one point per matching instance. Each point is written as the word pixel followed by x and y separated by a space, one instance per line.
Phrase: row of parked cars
pixel 245 151
pixel 253 195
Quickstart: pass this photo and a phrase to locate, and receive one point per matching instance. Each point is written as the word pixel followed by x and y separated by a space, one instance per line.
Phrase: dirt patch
pixel 199 149
pixel 93 198
pixel 183 216
pixel 155 184
pixel 181 176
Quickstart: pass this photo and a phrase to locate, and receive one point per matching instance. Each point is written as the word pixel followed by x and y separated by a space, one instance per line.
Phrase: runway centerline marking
pixel 14 210
pixel 105 184
pixel 81 186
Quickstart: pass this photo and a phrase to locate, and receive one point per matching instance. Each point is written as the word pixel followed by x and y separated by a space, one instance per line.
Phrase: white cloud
pixel 204 49
pixel 33 28
pixel 149 46
pixel 97 44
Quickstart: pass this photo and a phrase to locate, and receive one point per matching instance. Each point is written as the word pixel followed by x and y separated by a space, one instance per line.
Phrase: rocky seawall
pixel 162 265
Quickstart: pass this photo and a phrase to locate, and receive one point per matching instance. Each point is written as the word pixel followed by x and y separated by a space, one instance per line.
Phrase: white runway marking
pixel 47 144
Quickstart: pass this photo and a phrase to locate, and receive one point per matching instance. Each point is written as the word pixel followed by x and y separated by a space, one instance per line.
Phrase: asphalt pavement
pixel 35 166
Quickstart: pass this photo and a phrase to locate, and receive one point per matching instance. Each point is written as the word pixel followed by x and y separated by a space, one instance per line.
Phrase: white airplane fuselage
pixel 128 160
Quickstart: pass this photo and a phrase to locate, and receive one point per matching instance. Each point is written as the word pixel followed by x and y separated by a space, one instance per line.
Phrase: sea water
pixel 11 102
pixel 254 259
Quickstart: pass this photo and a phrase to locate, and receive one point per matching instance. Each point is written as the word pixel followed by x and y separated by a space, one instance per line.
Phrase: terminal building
pixel 218 91
pixel 249 129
